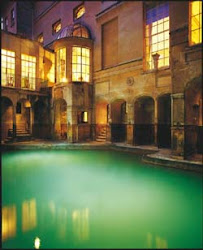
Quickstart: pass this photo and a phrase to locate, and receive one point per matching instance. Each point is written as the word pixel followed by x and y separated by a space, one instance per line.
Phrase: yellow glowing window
pixel 40 38
pixel 157 35
pixel 7 68
pixel 9 220
pixel 80 64
pixel 56 27
pixel 79 11
pixel 61 65
pixel 195 34
pixel 28 71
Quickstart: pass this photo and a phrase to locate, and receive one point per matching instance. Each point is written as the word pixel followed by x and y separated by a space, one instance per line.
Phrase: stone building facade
pixel 120 71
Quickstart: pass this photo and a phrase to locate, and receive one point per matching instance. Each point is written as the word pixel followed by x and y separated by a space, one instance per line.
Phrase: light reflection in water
pixel 29 215
pixel 159 242
pixel 81 224
pixel 37 243
pixel 9 220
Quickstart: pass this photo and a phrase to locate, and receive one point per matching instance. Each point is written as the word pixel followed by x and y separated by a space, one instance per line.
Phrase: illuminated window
pixel 61 65
pixel 80 64
pixel 12 17
pixel 80 31
pixel 157 35
pixel 56 27
pixel 195 22
pixel 82 117
pixel 9 220
pixel 7 68
pixel 40 38
pixel 28 71
pixel 79 12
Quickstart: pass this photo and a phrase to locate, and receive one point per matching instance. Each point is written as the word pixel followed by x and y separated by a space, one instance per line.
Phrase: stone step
pixel 100 140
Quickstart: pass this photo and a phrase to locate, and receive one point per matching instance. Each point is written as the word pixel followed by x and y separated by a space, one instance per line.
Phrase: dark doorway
pixel 144 121
pixel 164 121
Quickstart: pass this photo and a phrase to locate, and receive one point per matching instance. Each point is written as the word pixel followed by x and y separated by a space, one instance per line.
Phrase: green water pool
pixel 97 199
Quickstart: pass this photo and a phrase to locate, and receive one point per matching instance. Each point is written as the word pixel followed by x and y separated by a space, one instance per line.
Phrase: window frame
pixel 31 85
pixel 76 9
pixel 8 60
pixel 189 26
pixel 146 55
pixel 58 22
pixel 58 72
pixel 39 37
pixel 81 64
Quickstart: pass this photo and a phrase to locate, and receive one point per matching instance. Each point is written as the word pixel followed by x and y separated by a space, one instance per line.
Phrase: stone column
pixel 155 122
pixel 14 121
pixel 177 122
pixel 130 123
pixel 31 119
pixel 108 126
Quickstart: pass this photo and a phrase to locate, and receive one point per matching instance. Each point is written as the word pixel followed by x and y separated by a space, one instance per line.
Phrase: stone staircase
pixel 21 135
pixel 101 137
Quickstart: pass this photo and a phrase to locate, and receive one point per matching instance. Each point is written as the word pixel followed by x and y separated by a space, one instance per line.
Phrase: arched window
pixel 80 31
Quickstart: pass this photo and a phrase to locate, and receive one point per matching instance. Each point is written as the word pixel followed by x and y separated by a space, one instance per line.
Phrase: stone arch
pixel 41 126
pixel 6 118
pixel 144 112
pixel 60 119
pixel 193 117
pixel 23 115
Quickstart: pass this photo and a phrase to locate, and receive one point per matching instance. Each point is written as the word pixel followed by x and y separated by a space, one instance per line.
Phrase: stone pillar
pixel 155 122
pixel 31 119
pixel 108 126
pixel 14 121
pixel 130 123
pixel 177 122
pixel 93 122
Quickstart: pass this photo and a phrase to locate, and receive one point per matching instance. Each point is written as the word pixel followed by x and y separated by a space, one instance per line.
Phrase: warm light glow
pixel 61 65
pixel 81 224
pixel 157 35
pixel 28 71
pixel 37 243
pixel 9 220
pixel 85 116
pixel 7 68
pixel 29 215
pixel 80 64
pixel 79 12
pixel 195 22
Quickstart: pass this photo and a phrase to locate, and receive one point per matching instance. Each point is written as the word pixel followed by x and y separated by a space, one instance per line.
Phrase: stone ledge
pixel 173 163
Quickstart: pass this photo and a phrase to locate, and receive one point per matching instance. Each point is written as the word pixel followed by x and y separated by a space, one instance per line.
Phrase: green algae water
pixel 97 199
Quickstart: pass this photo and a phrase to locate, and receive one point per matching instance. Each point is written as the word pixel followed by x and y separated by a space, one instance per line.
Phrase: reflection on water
pixel 9 221
pixel 62 222
pixel 29 215
pixel 156 242
pixel 131 206
pixel 37 243
pixel 81 224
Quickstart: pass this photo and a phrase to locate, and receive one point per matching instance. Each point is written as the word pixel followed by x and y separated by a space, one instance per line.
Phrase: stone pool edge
pixel 148 155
